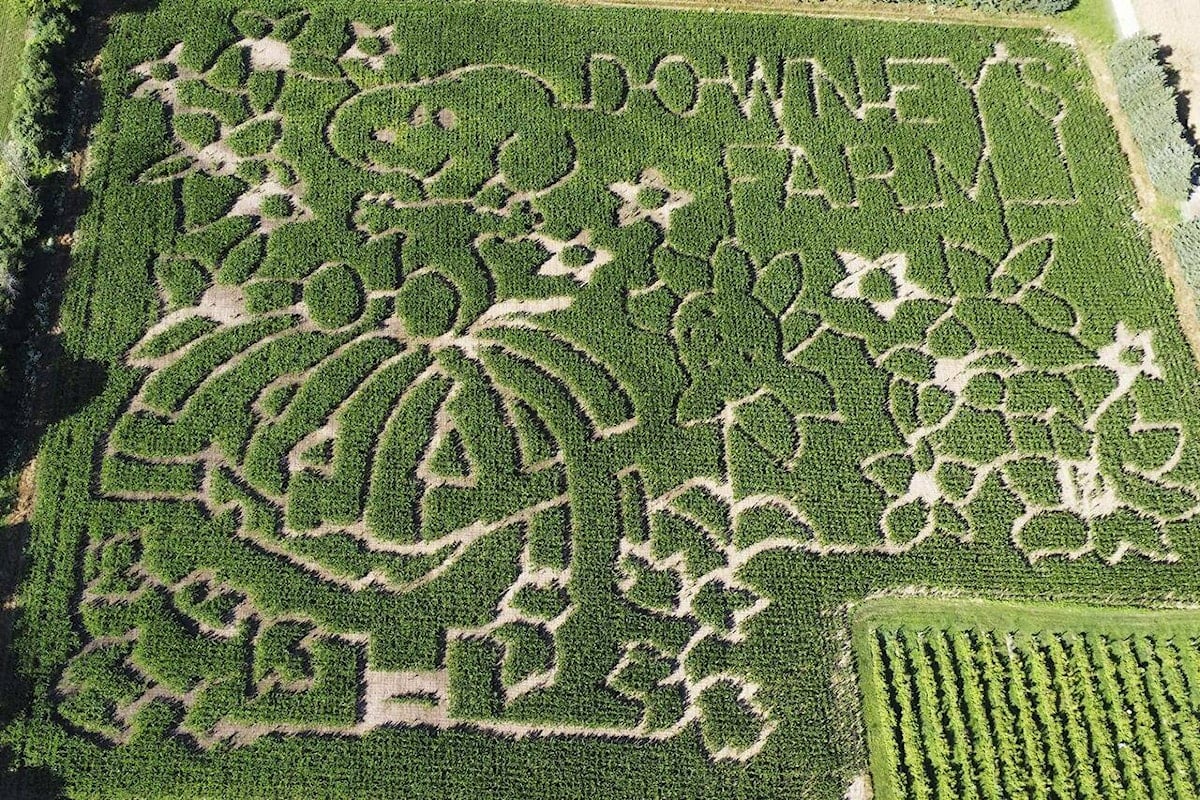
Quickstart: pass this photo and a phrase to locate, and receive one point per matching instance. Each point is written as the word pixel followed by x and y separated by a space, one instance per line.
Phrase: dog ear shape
pixel 533 160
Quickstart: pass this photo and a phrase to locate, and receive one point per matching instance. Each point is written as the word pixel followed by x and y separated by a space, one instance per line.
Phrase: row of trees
pixel 25 156
pixel 1150 101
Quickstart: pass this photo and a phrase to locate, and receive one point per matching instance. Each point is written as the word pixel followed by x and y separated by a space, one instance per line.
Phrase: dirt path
pixel 22 508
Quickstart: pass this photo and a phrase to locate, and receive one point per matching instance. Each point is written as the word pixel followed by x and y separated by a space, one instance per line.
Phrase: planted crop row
pixel 980 713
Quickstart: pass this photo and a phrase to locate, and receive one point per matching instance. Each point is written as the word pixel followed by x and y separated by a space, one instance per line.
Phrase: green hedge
pixel 1187 247
pixel 26 158
pixel 1149 101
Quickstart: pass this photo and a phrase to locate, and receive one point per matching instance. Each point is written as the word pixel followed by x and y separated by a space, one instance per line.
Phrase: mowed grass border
pixel 954 614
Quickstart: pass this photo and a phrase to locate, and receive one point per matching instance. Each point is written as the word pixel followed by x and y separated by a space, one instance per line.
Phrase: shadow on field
pixel 13 539
pixel 29 783
pixel 1183 102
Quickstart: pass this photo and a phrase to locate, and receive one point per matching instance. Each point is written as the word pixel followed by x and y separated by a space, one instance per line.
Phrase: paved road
pixel 1127 23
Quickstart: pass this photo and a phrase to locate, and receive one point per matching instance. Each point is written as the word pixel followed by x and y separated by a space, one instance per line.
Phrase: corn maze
pixel 517 408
